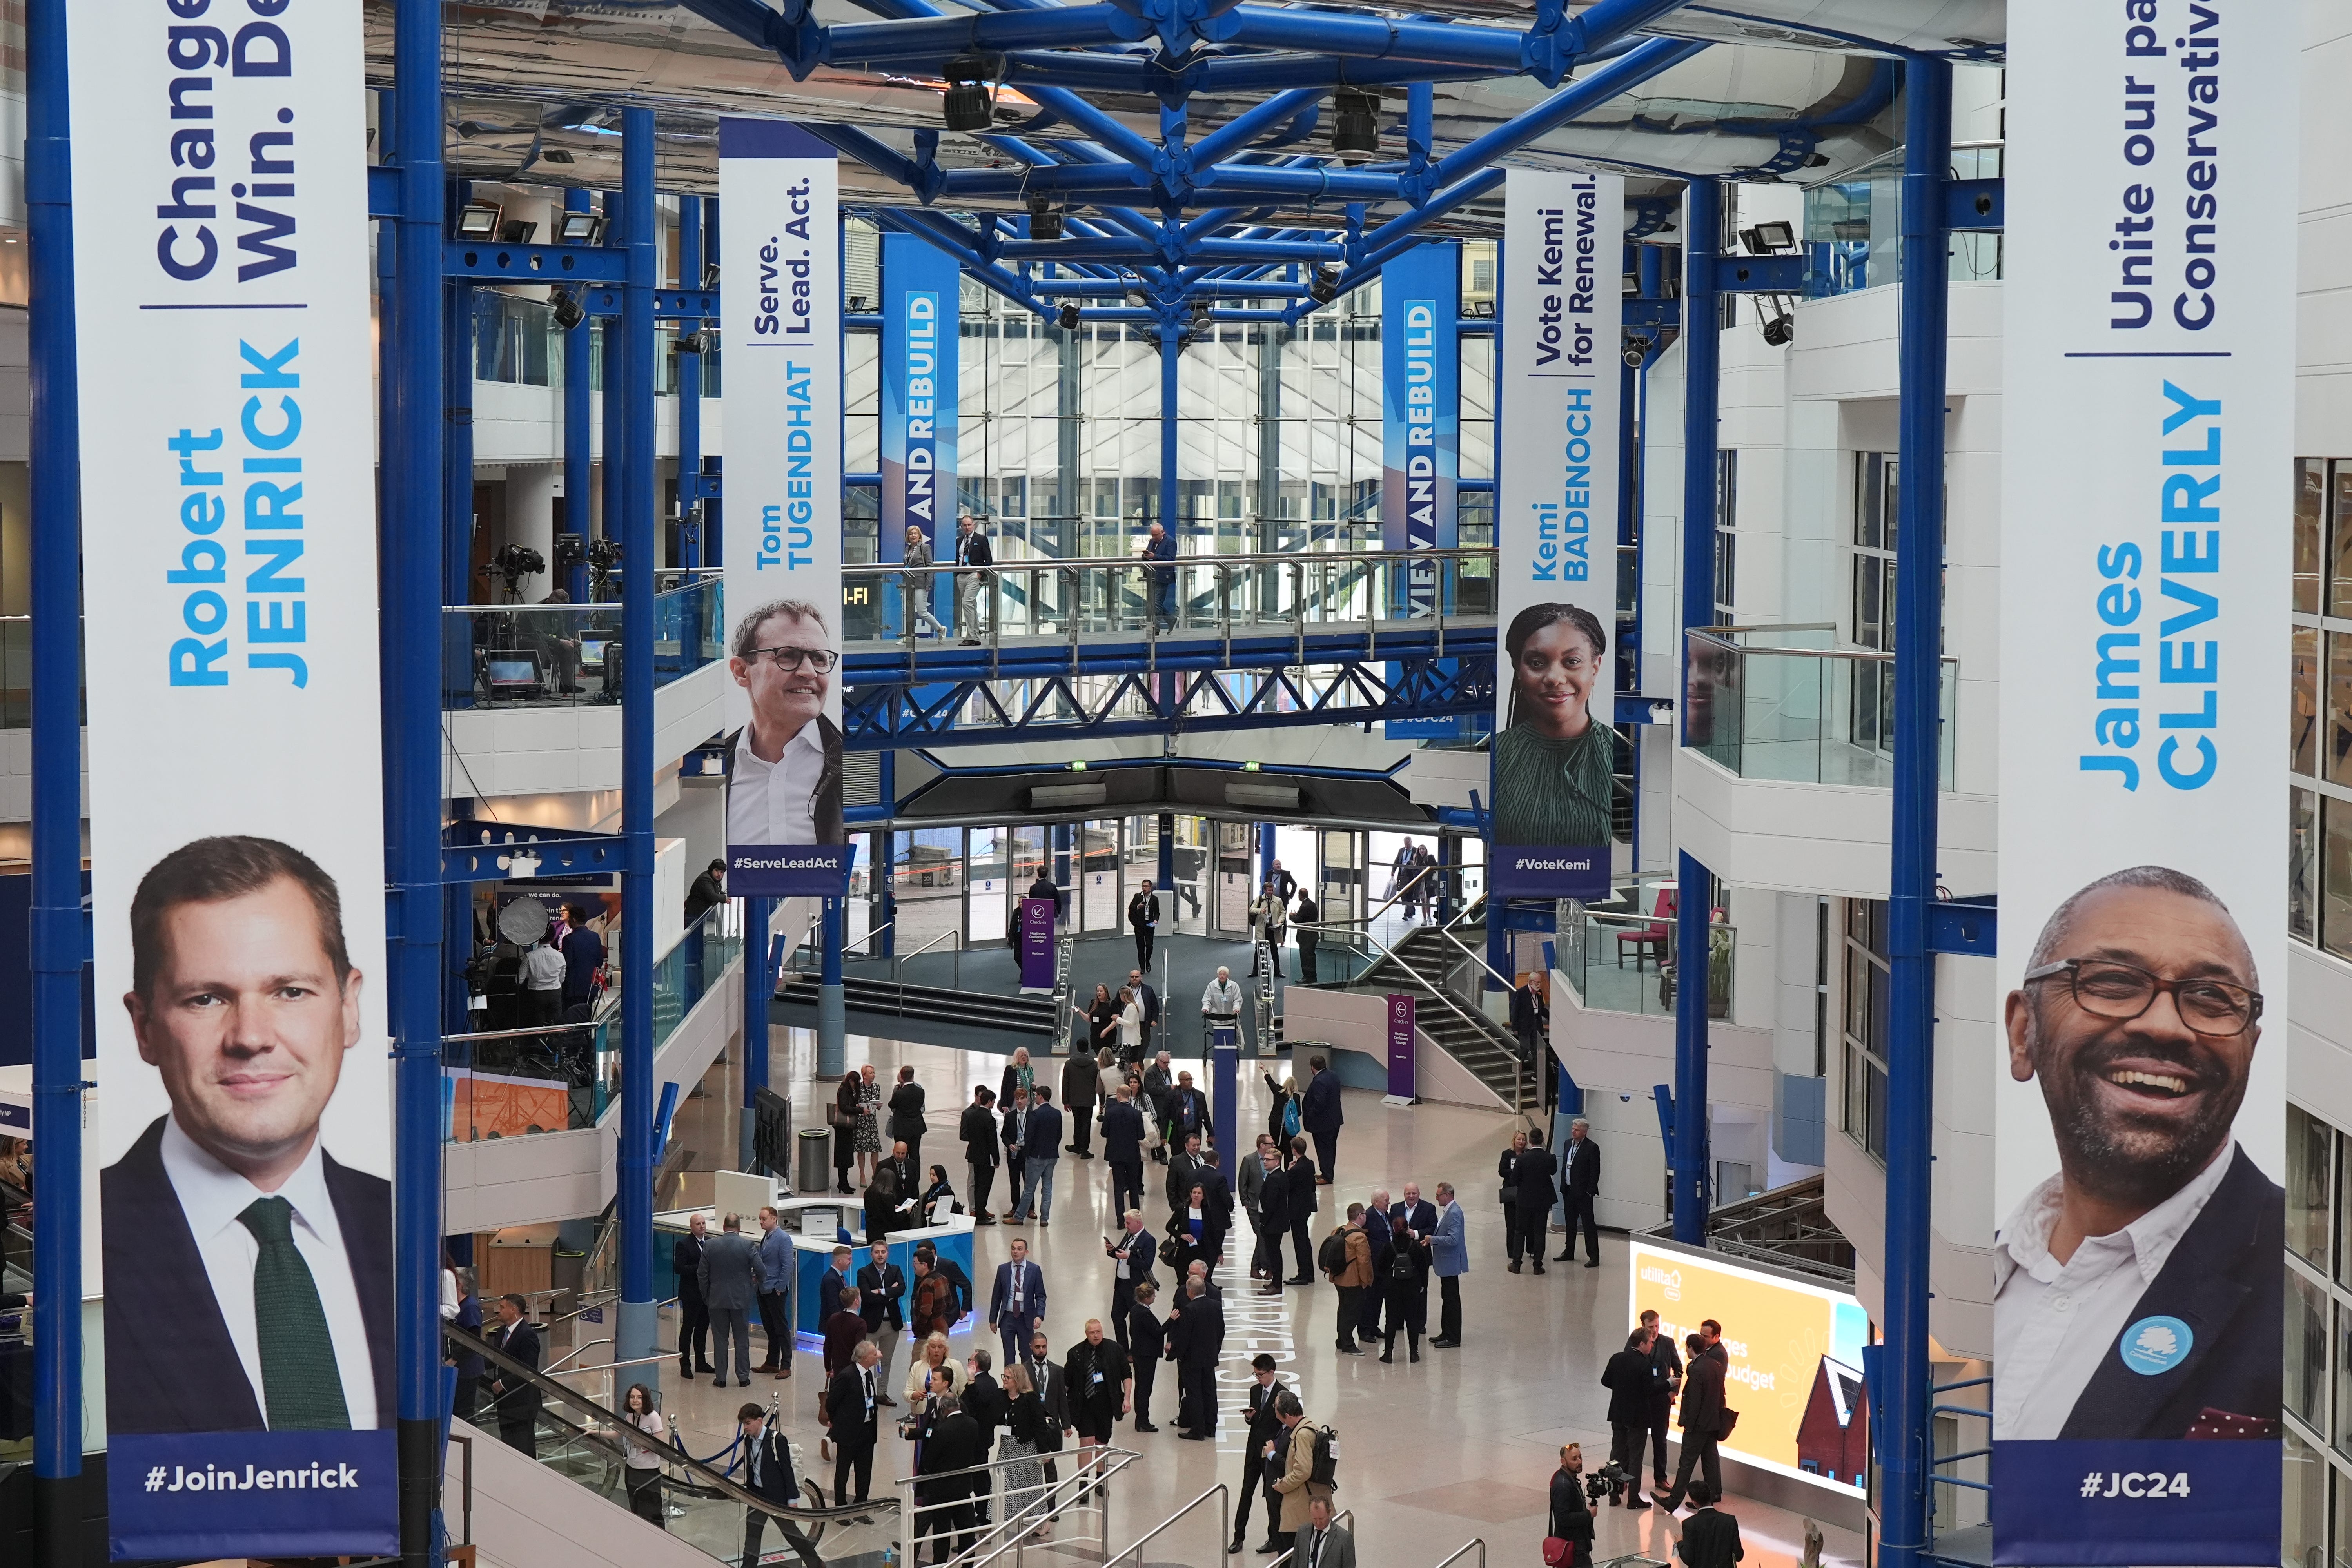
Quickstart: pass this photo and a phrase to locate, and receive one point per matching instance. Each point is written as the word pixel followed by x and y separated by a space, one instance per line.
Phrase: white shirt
pixel 449 1298
pixel 543 969
pixel 643 1455
pixel 2052 1322
pixel 212 1195
pixel 1130 1025
pixel 772 803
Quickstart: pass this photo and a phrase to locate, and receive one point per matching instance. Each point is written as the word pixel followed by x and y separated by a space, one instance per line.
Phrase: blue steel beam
pixel 689 389
pixel 579 438
pixel 1903 1439
pixel 1702 350
pixel 59 937
pixel 966 33
pixel 1657 56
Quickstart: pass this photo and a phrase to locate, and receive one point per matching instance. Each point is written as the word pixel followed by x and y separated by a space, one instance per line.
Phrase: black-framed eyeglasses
pixel 2218 1009
pixel 821 659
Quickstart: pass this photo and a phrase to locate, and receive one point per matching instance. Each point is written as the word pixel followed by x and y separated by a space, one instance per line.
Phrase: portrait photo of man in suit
pixel 248 1274
pixel 2137 1292
pixel 783 767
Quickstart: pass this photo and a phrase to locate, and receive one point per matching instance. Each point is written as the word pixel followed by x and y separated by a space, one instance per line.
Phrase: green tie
pixel 300 1382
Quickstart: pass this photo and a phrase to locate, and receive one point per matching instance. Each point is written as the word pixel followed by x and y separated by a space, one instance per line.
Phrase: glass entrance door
pixel 1236 858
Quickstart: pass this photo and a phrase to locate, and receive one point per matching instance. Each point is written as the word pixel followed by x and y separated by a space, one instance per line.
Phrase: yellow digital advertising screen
pixel 1795 1352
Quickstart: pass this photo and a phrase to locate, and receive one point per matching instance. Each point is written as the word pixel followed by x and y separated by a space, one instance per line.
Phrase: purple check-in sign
pixel 1036 945
pixel 1402 1011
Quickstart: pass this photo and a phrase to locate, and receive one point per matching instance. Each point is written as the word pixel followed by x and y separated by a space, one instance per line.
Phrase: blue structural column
pixel 640 1327
pixel 690 389
pixel 612 475
pixel 759 990
pixel 831 1007
pixel 579 443
pixel 458 448
pixel 1171 352
pixel 1903 1439
pixel 1701 220
pixel 58 933
pixel 412 640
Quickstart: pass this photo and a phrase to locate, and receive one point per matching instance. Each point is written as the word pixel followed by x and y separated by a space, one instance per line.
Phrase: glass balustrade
pixel 1622 961
pixel 1240 595
pixel 1780 702
pixel 537 656
pixel 514 1083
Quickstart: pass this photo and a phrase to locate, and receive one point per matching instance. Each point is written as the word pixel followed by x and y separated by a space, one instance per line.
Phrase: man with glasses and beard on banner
pixel 783 767
pixel 2137 1291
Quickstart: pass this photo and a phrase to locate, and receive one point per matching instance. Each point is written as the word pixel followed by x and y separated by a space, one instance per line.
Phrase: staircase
pixel 976 1009
pixel 1478 1042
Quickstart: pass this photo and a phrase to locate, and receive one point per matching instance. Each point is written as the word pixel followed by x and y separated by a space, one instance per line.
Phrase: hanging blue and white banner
pixel 920 347
pixel 2149 406
pixel 1555 532
pixel 237 840
pixel 1420 432
pixel 780 293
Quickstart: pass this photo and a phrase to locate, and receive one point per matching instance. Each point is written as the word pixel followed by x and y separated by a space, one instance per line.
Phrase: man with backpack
pixel 1345 1256
pixel 1310 1466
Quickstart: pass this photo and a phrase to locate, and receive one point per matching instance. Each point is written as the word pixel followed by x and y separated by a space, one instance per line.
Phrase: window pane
pixel 2338 761
pixel 2309 1164
pixel 2342 1558
pixel 2339 542
pixel 2303 865
pixel 2306 1351
pixel 2310 503
pixel 2303 1533
pixel 2343 1385
pixel 2336 877
pixel 2302 719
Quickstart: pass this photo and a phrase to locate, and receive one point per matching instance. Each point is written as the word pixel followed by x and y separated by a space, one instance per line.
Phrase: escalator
pixel 565 1499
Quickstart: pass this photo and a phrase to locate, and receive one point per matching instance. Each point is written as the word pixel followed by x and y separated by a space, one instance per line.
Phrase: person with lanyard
pixel 972 550
pixel 1159 545
pixel 1307 929
pixel 1158 1079
pixel 849 1416
pixel 1221 1009
pixel 768 1475
pixel 1199 1228
pixel 1148 996
pixel 1266 1388
pixel 1014 1134
pixel 1100 1016
pixel 1143 919
pixel 1323 1544
pixel 1101 1389
pixel 1187 1111
pixel 1132 1253
pixel 641 1465
pixel 1123 1135
pixel 1147 1345
pixel 1053 1397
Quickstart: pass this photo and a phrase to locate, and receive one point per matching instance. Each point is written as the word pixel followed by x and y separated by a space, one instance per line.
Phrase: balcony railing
pixel 541 656
pixel 1779 703
pixel 1291 594
pixel 1621 961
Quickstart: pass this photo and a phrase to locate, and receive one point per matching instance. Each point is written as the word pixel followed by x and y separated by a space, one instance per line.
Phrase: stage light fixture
pixel 568 313
pixel 1355 123
pixel 477 220
pixel 580 228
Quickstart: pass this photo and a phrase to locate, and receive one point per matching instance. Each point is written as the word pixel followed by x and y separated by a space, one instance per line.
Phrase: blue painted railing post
pixel 411 592
pixel 640 1332
pixel 579 441
pixel 689 389
pixel 1903 1440
pixel 1702 218
pixel 59 936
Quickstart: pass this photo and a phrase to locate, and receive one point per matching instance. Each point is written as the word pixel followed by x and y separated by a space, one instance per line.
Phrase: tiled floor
pixel 1461 1445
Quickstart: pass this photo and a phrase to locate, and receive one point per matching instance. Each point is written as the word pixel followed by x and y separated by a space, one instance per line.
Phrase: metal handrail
pixel 1015 1529
pixel 608 607
pixel 516 1034
pixel 466 1471
pixel 1857 655
pixel 1224 1524
pixel 898 964
pixel 554 1367
pixel 1344 1515
pixel 1464 1550
pixel 1479 1022
pixel 1131 564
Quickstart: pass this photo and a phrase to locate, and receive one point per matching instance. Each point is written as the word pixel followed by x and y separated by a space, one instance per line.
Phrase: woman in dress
pixel 869 1125
pixel 1024 1477
pixel 844 1133
pixel 1198 1232
pixel 1101 1013
pixel 641 1465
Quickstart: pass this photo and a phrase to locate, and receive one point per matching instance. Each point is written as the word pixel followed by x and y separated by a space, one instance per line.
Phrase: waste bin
pixel 813 1170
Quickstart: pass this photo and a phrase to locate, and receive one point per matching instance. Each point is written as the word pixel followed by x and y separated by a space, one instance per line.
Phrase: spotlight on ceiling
pixel 1780 330
pixel 969 103
pixel 1324 286
pixel 580 228
pixel 690 344
pixel 709 276
pixel 568 313
pixel 1355 123
pixel 517 231
pixel 477 220
pixel 1044 223
pixel 1068 318
pixel 1766 238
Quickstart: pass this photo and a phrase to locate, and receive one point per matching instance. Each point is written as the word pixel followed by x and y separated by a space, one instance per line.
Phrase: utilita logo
pixel 253 1478
pixel 1671 1278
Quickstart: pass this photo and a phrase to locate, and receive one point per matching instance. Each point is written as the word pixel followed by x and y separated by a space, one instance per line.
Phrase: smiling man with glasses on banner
pixel 785 765
pixel 2138 1290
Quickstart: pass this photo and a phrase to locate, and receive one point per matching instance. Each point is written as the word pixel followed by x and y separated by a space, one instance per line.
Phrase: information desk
pixel 817 1226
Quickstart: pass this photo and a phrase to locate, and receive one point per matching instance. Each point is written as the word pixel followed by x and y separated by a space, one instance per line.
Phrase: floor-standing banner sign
pixel 1421 432
pixel 1555 532
pixel 236 803
pixel 920 346
pixel 2145 472
pixel 780 291
pixel 1036 945
pixel 1403 1048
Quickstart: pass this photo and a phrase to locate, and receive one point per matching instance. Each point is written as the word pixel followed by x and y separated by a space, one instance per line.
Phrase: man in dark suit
pixel 953 1441
pixel 583 954
pixel 1702 1412
pixel 516 1398
pixel 1147 1347
pixel 1534 1179
pixel 1376 1237
pixel 849 1412
pixel 730 1288
pixel 982 1151
pixel 228 1223
pixel 693 1312
pixel 1149 995
pixel 1041 1150
pixel 832 1283
pixel 1123 1135
pixel 1710 1537
pixel 1304 922
pixel 768 1475
pixel 1017 1300
pixel 1298 1184
pixel 882 1302
pixel 1580 1183
pixel 1668 1359
pixel 1199 1339
pixel 1264 1388
pixel 972 587
pixel 1143 919
pixel 783 767
pixel 1012 1136
pixel 1131 1252
pixel 1319 1116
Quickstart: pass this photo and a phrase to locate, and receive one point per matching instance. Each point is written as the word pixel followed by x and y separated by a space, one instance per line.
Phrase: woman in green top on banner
pixel 1552 761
